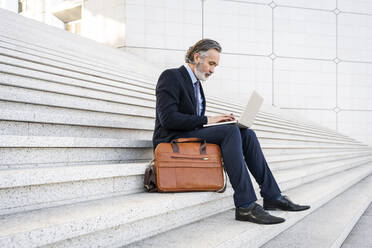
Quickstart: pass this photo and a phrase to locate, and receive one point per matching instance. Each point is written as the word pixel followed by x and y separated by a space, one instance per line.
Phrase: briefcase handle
pixel 203 144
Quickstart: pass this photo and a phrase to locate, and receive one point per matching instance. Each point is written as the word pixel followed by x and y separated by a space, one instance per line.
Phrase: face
pixel 205 66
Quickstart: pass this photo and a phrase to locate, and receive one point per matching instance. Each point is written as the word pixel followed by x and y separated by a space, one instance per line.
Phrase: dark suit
pixel 176 117
pixel 176 106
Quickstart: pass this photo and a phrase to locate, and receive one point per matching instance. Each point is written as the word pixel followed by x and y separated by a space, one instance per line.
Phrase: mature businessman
pixel 180 108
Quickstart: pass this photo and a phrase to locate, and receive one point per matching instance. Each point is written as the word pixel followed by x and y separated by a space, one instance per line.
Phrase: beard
pixel 202 76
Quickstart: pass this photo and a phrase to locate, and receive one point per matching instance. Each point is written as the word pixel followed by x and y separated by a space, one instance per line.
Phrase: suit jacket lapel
pixel 189 86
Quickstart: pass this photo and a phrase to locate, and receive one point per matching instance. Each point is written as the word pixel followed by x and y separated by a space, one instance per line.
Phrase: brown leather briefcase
pixel 187 164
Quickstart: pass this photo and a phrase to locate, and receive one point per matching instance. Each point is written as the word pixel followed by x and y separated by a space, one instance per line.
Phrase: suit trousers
pixel 240 149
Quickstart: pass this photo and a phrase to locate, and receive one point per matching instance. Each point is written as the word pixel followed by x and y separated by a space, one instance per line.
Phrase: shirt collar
pixel 192 75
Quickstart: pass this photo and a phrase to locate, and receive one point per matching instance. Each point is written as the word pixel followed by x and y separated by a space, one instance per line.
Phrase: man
pixel 180 108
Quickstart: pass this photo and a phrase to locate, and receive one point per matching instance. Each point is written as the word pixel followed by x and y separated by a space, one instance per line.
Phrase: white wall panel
pixel 304 33
pixel 239 27
pixel 250 1
pixel 163 23
pixel 359 6
pixel 305 83
pixel 316 4
pixel 160 59
pixel 355 37
pixel 355 85
pixel 238 75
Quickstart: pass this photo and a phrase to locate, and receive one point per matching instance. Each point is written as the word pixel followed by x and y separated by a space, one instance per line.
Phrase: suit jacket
pixel 176 106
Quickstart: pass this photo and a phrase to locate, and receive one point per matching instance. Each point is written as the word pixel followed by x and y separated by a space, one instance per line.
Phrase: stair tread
pixel 45 175
pixel 57 141
pixel 331 223
pixel 105 213
pixel 222 230
pixel 360 236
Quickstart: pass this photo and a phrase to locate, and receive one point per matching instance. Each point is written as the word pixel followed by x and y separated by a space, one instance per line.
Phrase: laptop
pixel 246 119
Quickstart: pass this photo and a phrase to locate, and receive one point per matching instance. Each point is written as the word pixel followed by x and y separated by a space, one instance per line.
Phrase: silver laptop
pixel 246 119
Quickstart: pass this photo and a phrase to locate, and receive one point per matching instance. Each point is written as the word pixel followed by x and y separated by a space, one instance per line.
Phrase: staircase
pixel 76 120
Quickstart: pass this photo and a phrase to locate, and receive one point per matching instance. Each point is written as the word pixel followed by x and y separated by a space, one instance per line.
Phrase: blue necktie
pixel 197 97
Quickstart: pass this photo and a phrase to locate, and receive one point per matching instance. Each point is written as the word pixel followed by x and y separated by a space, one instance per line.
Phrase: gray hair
pixel 201 47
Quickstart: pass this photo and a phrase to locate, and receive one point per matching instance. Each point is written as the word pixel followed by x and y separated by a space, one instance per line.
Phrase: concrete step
pixel 71 62
pixel 62 89
pixel 274 112
pixel 88 126
pixel 120 68
pixel 271 112
pixel 285 138
pixel 271 130
pixel 55 39
pixel 277 116
pixel 297 160
pixel 30 157
pixel 78 127
pixel 292 126
pixel 76 142
pixel 329 225
pixel 19 151
pixel 39 175
pixel 47 98
pixel 124 214
pixel 54 186
pixel 15 94
pixel 23 112
pixel 75 85
pixel 222 230
pixel 79 123
pixel 129 122
pixel 304 129
pixel 20 60
pixel 18 141
pixel 360 236
pixel 297 176
pixel 269 150
pixel 33 76
pixel 76 59
pixel 34 114
pixel 41 187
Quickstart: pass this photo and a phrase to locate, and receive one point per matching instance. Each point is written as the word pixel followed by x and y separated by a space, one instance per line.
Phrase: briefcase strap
pixel 224 182
pixel 150 178
pixel 203 144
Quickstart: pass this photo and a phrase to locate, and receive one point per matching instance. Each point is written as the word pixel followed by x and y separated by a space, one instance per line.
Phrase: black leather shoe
pixel 255 213
pixel 283 203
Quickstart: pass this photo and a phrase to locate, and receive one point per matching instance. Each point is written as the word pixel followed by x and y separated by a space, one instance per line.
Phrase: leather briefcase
pixel 186 164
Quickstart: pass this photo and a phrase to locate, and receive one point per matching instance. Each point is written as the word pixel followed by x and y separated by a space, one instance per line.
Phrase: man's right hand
pixel 220 118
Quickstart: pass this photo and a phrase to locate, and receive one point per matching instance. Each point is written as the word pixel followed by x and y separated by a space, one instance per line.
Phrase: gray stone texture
pixel 360 236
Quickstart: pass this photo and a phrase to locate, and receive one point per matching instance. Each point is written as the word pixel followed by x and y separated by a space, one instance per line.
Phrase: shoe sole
pixel 252 221
pixel 278 209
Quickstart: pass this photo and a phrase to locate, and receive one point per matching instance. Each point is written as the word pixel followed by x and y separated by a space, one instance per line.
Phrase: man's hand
pixel 220 118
